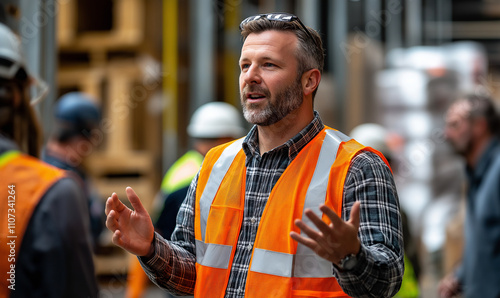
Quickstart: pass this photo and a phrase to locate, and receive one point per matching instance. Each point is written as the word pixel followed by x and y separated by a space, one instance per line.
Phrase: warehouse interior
pixel 151 63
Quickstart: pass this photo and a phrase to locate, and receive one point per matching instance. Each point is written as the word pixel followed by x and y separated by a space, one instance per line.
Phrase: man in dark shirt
pixel 74 137
pixel 472 127
pixel 51 254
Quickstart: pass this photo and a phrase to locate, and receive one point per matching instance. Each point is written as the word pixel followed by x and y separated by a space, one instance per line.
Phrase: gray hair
pixel 483 106
pixel 310 53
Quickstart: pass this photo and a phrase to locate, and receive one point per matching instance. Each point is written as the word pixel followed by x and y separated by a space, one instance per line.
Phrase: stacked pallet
pixel 100 53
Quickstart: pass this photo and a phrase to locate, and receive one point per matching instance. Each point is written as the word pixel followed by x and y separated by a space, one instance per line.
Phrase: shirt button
pixel 253 220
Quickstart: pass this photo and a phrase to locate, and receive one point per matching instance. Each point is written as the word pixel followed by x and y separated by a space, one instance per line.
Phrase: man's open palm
pixel 330 241
pixel 132 230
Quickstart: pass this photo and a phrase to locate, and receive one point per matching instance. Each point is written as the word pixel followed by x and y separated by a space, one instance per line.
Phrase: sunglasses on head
pixel 280 17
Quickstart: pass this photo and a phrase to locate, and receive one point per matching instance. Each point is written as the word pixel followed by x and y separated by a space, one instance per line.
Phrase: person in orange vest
pixel 46 250
pixel 294 209
pixel 212 124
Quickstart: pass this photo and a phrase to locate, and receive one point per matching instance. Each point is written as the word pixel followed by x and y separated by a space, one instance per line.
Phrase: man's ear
pixel 310 80
pixel 480 126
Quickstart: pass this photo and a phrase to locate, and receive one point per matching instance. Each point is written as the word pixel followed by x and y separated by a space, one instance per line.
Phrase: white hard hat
pixel 372 135
pixel 10 54
pixel 13 63
pixel 216 120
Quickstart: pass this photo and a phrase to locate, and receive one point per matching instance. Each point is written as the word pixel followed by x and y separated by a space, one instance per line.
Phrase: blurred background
pixel 150 63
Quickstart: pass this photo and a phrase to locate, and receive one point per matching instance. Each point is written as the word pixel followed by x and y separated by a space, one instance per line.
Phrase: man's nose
pixel 252 75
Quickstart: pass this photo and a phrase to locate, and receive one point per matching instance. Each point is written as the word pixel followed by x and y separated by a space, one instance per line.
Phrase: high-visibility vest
pixel 180 174
pixel 279 267
pixel 23 182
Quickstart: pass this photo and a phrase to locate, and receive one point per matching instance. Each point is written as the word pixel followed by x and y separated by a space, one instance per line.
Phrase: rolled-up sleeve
pixel 173 265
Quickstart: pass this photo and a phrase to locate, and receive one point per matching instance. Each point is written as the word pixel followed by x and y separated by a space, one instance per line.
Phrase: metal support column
pixel 413 23
pixel 443 21
pixel 373 26
pixel 337 46
pixel 170 87
pixel 232 47
pixel 203 41
pixel 391 18
pixel 37 28
pixel 309 12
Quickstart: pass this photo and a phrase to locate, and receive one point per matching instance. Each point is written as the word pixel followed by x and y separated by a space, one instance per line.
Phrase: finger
pixel 313 245
pixel 135 201
pixel 327 238
pixel 354 218
pixel 118 205
pixel 112 221
pixel 305 241
pixel 110 205
pixel 313 234
pixel 117 238
pixel 321 225
pixel 324 240
pixel 107 208
pixel 113 203
pixel 335 219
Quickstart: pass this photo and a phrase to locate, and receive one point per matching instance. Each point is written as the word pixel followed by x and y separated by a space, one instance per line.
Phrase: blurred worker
pixel 472 126
pixel 377 137
pixel 293 209
pixel 46 250
pixel 212 124
pixel 74 138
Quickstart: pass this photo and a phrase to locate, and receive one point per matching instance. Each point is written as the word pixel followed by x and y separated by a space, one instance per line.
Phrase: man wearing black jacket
pixel 49 252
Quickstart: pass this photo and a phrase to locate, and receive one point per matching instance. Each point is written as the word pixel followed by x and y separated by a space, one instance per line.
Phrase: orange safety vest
pixel 23 182
pixel 279 267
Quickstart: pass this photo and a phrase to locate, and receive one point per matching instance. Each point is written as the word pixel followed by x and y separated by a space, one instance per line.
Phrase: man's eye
pixel 268 64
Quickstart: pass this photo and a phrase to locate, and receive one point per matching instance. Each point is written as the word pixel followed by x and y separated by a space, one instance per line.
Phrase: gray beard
pixel 287 100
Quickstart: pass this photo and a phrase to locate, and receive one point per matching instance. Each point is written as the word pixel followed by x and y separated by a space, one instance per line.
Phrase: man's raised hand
pixel 331 241
pixel 132 230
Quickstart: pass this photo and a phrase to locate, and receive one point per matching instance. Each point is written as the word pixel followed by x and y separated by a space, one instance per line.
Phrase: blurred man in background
pixel 212 124
pixel 472 126
pixel 47 251
pixel 73 139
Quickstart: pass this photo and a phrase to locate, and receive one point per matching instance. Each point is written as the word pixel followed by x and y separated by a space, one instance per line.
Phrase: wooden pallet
pixel 121 159
pixel 126 30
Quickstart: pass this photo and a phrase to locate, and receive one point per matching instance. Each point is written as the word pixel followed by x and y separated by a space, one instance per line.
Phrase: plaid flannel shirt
pixel 379 270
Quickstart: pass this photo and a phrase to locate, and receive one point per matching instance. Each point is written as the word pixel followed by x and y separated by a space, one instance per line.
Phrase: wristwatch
pixel 349 261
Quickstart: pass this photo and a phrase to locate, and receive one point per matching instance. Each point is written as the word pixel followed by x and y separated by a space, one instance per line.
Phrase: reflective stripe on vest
pixel 305 263
pixel 213 255
pixel 315 196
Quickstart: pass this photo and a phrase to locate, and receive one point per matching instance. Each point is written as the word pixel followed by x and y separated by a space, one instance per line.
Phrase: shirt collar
pixel 293 145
